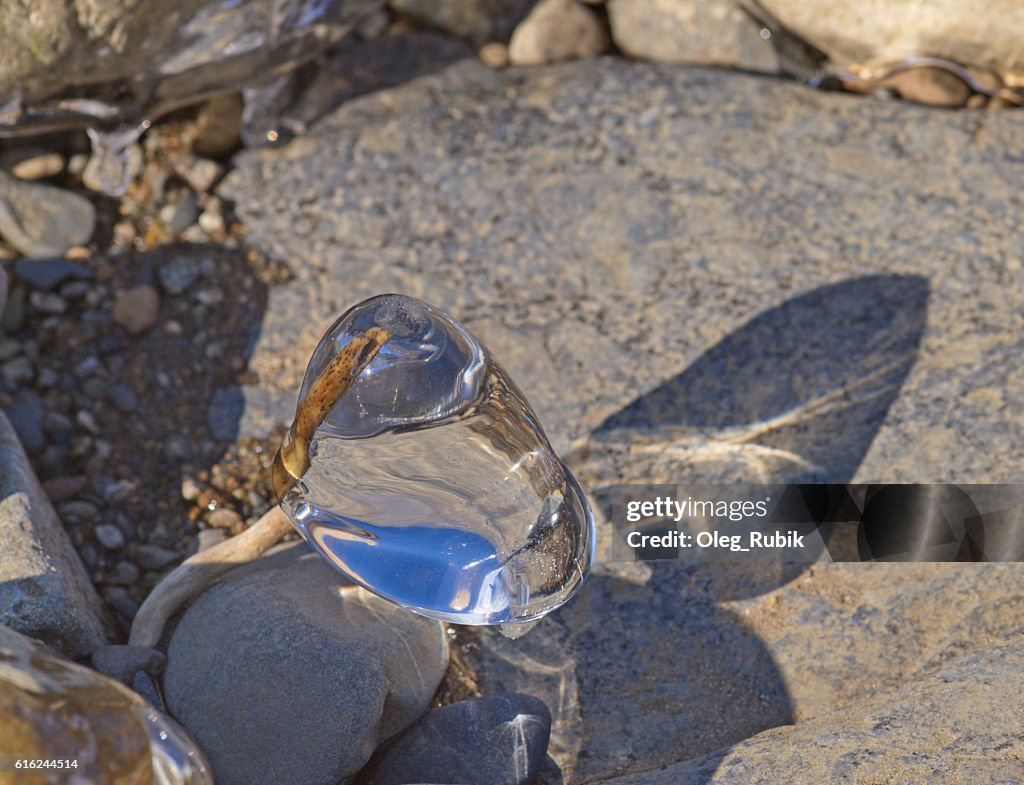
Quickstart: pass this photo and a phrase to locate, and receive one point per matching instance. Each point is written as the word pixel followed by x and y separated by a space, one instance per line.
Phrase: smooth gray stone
pixel 44 590
pixel 493 740
pixel 283 673
pixel 41 220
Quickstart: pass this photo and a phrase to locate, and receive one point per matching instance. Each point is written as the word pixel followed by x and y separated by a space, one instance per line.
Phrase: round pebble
pixel 109 536
pixel 136 309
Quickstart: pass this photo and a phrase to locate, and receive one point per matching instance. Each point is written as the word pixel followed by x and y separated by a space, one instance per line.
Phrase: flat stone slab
pixel 607 227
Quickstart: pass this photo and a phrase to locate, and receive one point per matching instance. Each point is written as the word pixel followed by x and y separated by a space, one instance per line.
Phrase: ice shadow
pixel 647 666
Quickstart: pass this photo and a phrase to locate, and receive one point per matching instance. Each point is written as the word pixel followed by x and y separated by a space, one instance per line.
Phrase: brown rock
pixel 136 309
pixel 557 30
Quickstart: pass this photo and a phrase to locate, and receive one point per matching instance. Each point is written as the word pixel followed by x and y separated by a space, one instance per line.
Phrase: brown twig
pixel 195 574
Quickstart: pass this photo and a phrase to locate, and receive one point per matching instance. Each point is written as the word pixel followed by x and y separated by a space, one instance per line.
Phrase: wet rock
pixel 52 709
pixel 319 673
pixel 137 309
pixel 557 30
pixel 123 662
pixel 50 273
pixel 62 489
pixel 44 591
pixel 690 31
pixel 47 302
pixel 498 739
pixel 478 20
pixel 850 31
pixel 41 220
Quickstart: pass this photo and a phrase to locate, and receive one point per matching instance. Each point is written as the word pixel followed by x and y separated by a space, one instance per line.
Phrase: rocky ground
pixel 689 251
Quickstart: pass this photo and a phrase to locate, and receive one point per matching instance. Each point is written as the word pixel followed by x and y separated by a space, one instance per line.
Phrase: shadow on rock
pixel 646 666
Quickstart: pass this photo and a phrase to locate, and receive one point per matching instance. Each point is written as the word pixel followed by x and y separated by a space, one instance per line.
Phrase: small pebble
pixel 202 173
pixel 122 396
pixel 210 296
pixel 153 557
pixel 87 421
pixel 78 510
pixel 48 302
pixel 177 275
pixel 31 163
pixel 47 378
pixel 17 370
pixel 178 217
pixel 136 309
pixel 8 348
pixel 224 518
pixel 61 489
pixel 41 220
pixel 211 222
pixel 190 489
pixel 125 574
pixel 121 601
pixel 109 536
pixel 494 55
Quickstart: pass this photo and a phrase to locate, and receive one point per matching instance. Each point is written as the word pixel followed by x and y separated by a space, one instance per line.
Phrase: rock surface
pixel 693 254
pixel 497 739
pixel 557 30
pixel 959 723
pixel 51 709
pixel 852 31
pixel 668 220
pixel 690 31
pixel 44 590
pixel 284 673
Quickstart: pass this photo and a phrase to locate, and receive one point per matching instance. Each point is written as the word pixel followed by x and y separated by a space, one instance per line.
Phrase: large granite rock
pixel 285 673
pixel 960 723
pixel 83 727
pixel 613 230
pixel 44 590
pixel 693 275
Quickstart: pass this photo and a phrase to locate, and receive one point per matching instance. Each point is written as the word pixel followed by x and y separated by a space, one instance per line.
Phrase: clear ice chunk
pixel 429 481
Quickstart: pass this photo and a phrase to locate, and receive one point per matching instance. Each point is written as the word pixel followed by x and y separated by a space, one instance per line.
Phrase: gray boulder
pixel 44 590
pixel 284 673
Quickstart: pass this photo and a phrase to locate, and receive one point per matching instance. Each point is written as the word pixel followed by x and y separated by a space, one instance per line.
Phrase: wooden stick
pixel 196 574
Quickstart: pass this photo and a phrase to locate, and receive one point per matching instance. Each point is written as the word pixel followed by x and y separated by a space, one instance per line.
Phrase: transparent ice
pixel 431 482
